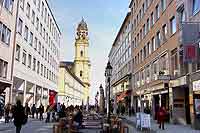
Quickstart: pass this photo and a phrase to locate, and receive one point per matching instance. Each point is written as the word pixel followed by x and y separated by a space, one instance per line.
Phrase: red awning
pixel 122 95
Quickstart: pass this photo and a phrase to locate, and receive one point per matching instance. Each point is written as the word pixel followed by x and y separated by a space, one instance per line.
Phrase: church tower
pixel 81 61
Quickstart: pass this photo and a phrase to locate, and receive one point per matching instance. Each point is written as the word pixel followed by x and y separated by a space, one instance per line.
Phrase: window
pixel 41 70
pixel 81 73
pixel 148 48
pixel 28 8
pixel 35 43
pixel 42 12
pixel 164 31
pixel 19 26
pixel 144 30
pixel 45 54
pixel 163 4
pixel 45 15
pixel 81 53
pixel 158 39
pixel 173 25
pixel 195 6
pixel 182 16
pixel 152 19
pixel 37 23
pixel 1 68
pixel 17 53
pixel 34 64
pixel 42 51
pixel 38 5
pixel 31 38
pixel 24 57
pixel 3 33
pixel 40 28
pixel 1 29
pixel 39 47
pixel 153 44
pixel 33 17
pixel 5 69
pixel 44 71
pixel 8 4
pixel 26 33
pixel 29 60
pixel 157 12
pixel 22 4
pixel 148 25
pixel 38 67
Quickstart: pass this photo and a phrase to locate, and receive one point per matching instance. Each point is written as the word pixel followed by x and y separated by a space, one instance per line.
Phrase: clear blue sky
pixel 103 17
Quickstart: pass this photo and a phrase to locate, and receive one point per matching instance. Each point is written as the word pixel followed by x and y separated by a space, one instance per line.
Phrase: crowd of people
pixel 19 114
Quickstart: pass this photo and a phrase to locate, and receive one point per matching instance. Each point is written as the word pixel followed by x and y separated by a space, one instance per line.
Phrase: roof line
pixel 53 16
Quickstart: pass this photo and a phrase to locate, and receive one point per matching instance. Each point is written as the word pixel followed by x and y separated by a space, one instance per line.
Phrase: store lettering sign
pixel 196 85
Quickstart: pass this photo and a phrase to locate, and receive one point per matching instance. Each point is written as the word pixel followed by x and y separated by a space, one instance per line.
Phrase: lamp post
pixel 108 74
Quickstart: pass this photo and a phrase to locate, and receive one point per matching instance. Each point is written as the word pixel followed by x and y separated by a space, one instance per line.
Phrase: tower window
pixel 81 53
pixel 81 73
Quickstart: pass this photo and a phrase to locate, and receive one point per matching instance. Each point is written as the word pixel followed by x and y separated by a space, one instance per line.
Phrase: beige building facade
pixel 70 86
pixel 8 10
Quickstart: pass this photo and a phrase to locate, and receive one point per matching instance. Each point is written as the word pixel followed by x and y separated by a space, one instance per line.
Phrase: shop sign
pixel 196 85
pixel 163 77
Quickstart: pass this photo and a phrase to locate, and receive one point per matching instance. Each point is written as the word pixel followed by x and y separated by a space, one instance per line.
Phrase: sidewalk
pixel 169 128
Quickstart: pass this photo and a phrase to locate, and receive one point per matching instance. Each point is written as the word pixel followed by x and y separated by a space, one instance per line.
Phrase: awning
pixel 122 95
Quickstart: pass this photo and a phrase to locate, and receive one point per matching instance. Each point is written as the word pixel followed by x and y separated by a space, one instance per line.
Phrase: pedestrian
pixel 161 117
pixel 33 111
pixel 20 118
pixel 27 110
pixel 7 112
pixel 37 111
pixel 41 111
pixel 147 110
pixel 48 114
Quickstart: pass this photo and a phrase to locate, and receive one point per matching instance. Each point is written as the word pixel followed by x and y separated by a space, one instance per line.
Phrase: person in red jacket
pixel 161 117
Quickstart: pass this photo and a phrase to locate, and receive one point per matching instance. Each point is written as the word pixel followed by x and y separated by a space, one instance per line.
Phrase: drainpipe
pixel 13 53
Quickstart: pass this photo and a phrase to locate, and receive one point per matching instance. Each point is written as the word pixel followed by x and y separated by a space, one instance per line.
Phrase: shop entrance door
pixel 156 105
pixel 187 106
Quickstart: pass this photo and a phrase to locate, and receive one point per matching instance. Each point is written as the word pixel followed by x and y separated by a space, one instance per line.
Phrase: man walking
pixel 41 111
pixel 19 116
pixel 33 110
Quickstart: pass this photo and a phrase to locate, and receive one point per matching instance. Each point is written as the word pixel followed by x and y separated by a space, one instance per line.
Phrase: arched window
pixel 81 73
pixel 81 53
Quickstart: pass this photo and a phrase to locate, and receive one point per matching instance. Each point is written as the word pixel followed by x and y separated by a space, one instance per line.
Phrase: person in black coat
pixel 19 116
pixel 33 110
pixel 41 111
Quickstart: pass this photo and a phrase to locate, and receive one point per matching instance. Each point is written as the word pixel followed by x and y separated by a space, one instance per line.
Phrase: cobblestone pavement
pixel 32 126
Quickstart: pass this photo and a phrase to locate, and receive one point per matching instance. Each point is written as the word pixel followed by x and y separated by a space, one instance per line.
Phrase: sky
pixel 104 18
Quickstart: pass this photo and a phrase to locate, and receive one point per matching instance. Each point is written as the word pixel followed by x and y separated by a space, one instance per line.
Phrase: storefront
pixel 180 100
pixel 195 78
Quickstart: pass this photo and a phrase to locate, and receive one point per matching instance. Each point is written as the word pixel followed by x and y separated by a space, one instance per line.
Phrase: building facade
pixel 161 75
pixel 70 86
pixel 120 59
pixel 8 10
pixel 82 64
pixel 37 51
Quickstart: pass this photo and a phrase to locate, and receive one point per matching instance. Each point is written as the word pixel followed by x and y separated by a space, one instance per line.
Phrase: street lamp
pixel 108 74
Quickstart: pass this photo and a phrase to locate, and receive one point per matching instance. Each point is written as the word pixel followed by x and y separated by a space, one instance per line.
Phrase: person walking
pixel 7 112
pixel 161 117
pixel 19 116
pixel 33 111
pixel 41 111
pixel 48 114
pixel 27 110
